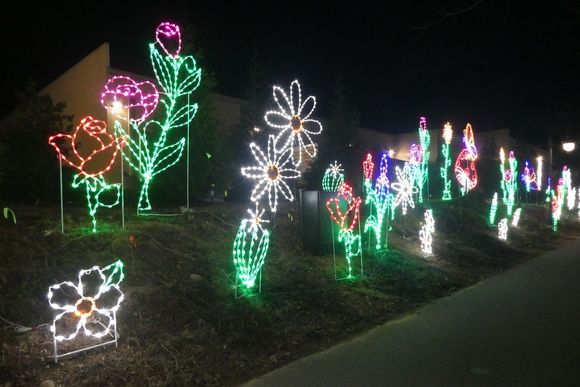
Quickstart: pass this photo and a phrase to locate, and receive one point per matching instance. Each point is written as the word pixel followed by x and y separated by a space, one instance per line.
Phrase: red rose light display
pixel 92 152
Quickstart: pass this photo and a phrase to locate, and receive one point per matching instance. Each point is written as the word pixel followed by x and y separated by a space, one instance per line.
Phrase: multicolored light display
pixel 333 178
pixel 380 200
pixel 529 178
pixel 293 121
pixel 465 168
pixel 90 304
pixel 445 151
pixel 91 150
pixel 147 151
pixel 346 222
pixel 422 175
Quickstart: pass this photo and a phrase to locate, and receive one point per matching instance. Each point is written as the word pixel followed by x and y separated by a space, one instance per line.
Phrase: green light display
pixel 445 151
pixel 147 150
pixel 333 178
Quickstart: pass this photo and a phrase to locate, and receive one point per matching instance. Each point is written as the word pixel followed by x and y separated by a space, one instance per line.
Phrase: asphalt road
pixel 519 328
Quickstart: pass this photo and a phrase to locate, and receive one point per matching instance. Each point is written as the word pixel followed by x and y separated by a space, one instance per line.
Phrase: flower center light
pixel 84 306
pixel 296 123
pixel 273 172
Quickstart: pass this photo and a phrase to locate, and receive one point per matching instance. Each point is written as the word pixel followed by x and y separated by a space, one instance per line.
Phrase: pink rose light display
pixel 149 151
pixel 92 152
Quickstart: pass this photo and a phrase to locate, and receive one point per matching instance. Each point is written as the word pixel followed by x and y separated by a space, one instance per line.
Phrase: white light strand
pixel 294 122
pixel 270 172
pixel 89 307
pixel 404 188
pixel 516 218
pixel 502 229
pixel 426 233
pixel 571 202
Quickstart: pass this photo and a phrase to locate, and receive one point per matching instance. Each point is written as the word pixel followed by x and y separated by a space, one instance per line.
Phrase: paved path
pixel 519 328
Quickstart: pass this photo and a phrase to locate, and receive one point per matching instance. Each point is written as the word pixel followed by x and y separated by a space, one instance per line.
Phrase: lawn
pixel 180 322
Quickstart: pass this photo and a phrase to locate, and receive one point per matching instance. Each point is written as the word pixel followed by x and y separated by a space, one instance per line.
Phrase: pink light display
pixel 168 36
pixel 141 98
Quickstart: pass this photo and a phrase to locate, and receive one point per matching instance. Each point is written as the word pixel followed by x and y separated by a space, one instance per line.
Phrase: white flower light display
pixel 516 218
pixel 502 229
pixel 404 188
pixel 426 233
pixel 271 172
pixel 294 123
pixel 90 305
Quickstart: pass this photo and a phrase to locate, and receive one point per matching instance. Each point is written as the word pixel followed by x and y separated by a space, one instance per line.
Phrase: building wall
pixel 80 86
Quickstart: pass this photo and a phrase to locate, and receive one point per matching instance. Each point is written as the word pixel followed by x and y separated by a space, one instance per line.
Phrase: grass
pixel 180 323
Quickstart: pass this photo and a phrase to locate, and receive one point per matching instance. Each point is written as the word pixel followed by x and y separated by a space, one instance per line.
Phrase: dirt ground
pixel 180 322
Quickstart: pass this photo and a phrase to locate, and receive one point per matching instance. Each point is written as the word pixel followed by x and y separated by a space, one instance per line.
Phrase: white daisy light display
pixel 89 306
pixel 294 122
pixel 272 170
pixel 404 188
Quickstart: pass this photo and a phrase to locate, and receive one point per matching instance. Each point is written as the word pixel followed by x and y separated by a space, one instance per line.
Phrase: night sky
pixel 495 63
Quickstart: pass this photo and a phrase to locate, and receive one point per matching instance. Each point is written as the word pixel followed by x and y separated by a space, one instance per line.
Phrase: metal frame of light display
pixel 91 305
pixel 333 178
pixel 446 152
pixel 346 221
pixel 380 201
pixel 86 150
pixel 177 76
pixel 465 167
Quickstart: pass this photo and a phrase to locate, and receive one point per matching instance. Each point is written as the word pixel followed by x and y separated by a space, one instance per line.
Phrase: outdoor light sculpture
pixel 539 171
pixel 91 150
pixel 465 168
pixel 516 217
pixel 422 175
pixel 148 151
pixel 426 233
pixel 445 151
pixel 346 222
pixel 89 306
pixel 380 199
pixel 566 184
pixel 333 178
pixel 529 178
pixel 405 189
pixel 271 172
pixel 557 202
pixel 368 171
pixel 294 122
pixel 571 200
pixel 493 209
pixel 509 182
pixel 251 247
pixel 502 229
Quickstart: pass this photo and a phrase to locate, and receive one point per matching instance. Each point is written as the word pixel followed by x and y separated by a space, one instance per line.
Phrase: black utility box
pixel 315 223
